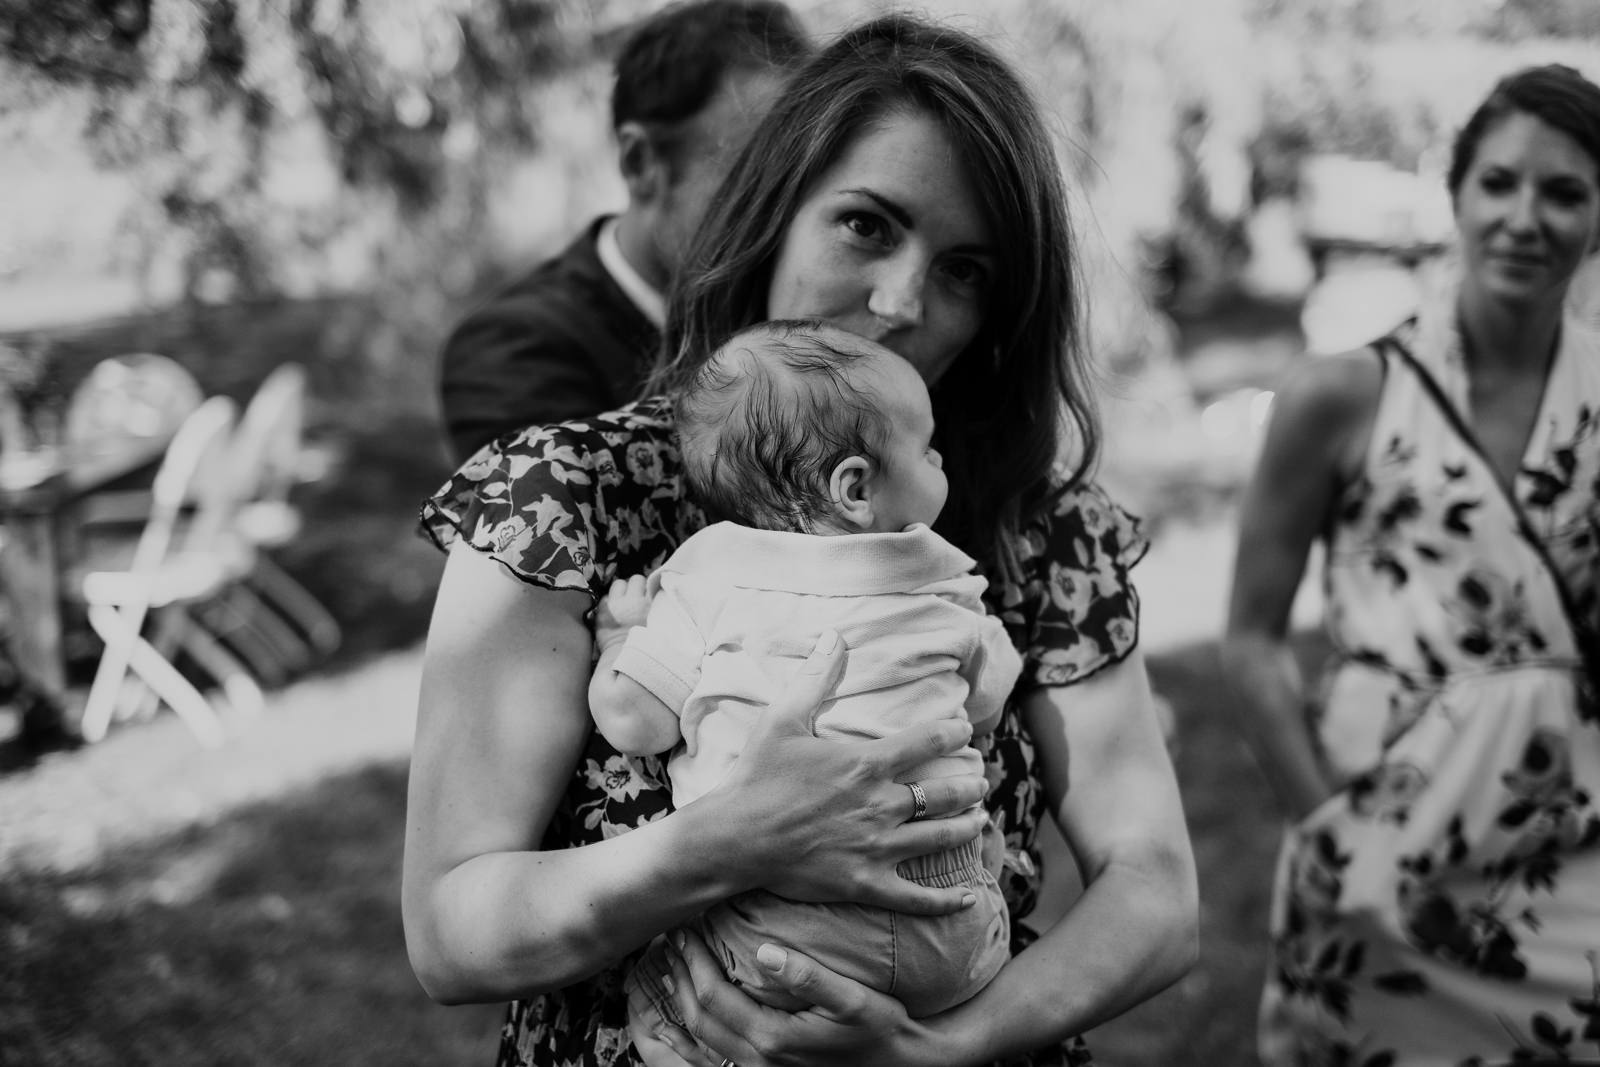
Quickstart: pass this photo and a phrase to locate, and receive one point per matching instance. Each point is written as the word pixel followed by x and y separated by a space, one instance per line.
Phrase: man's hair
pixel 1019 395
pixel 769 415
pixel 1554 94
pixel 674 61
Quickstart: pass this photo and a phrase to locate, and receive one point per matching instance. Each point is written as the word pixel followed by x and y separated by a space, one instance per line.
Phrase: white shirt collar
pixel 649 300
pixel 865 564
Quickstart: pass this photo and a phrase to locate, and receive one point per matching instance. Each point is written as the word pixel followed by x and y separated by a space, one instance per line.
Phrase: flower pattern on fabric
pixel 575 505
pixel 1444 906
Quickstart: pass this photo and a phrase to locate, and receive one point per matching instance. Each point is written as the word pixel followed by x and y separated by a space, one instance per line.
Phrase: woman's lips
pixel 1518 260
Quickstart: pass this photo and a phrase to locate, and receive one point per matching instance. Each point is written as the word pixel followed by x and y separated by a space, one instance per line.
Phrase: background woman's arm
pixel 501 726
pixel 1318 434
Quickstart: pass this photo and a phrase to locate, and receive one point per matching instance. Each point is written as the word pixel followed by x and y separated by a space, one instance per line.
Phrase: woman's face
pixel 891 243
pixel 1528 210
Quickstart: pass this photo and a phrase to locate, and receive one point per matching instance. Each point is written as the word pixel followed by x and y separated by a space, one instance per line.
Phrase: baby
pixel 814 447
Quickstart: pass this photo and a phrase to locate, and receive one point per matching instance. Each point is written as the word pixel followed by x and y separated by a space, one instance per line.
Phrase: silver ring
pixel 726 1062
pixel 919 801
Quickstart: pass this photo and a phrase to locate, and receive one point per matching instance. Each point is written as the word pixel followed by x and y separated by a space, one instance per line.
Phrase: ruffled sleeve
pixel 1076 609
pixel 557 505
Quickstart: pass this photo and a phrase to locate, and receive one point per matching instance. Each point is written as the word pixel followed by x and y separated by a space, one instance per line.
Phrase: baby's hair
pixel 763 423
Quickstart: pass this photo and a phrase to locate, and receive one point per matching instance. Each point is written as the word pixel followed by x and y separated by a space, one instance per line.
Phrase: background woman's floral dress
pixel 576 505
pixel 1444 907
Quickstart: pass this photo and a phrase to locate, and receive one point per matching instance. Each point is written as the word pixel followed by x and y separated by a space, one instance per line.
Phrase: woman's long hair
pixel 1020 391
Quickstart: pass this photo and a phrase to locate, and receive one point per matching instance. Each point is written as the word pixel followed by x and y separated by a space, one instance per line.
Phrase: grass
pixel 272 938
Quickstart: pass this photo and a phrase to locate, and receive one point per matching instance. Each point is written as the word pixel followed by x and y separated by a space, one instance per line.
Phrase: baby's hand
pixel 626 606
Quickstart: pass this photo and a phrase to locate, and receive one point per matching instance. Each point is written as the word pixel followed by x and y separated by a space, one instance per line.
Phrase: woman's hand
pixel 825 821
pixel 848 1023
pixel 659 1039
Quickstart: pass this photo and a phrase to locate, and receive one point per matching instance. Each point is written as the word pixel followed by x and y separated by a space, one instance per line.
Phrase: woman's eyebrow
pixel 903 217
pixel 890 208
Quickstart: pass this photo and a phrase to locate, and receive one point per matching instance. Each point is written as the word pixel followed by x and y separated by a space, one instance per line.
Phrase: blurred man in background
pixel 577 335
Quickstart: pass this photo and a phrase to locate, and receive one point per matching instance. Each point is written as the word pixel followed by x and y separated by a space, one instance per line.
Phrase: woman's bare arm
pixel 1320 425
pixel 501 725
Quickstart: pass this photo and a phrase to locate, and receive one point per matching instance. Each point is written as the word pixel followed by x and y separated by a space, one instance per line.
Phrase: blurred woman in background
pixel 1437 899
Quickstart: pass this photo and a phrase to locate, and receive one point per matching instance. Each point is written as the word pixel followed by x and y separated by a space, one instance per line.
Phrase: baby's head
pixel 801 426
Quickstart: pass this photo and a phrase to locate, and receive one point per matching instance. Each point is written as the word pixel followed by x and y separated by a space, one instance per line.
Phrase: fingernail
pixel 967 901
pixel 678 939
pixel 827 641
pixel 772 957
pixel 664 1034
pixel 666 980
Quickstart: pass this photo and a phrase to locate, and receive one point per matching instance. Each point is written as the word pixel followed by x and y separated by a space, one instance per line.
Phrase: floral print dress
pixel 575 505
pixel 1443 909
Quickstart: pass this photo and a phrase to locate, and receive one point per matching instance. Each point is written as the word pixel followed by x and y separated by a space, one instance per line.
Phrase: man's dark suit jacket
pixel 562 342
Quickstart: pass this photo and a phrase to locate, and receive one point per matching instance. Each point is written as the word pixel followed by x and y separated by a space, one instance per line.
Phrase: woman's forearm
pixel 1130 935
pixel 1269 705
pixel 502 725
pixel 1134 930
pixel 509 924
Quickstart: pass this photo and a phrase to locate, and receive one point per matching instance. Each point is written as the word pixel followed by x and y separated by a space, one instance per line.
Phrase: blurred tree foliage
pixel 1377 79
pixel 310 147
pixel 1500 20
pixel 410 103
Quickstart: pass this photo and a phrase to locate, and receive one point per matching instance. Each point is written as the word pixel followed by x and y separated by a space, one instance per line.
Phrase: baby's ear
pixel 851 491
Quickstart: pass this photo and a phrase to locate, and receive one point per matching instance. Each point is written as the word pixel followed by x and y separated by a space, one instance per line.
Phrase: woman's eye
pixel 866 226
pixel 967 272
pixel 1496 182
pixel 1568 194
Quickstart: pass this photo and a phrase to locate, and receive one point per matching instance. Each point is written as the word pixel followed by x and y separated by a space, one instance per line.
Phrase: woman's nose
pixel 896 297
pixel 1523 213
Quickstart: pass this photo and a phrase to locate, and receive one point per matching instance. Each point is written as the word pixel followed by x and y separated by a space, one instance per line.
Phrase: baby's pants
pixel 928 963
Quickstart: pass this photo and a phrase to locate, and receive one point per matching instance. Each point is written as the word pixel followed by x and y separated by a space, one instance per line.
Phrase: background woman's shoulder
pixel 1323 410
pixel 1332 389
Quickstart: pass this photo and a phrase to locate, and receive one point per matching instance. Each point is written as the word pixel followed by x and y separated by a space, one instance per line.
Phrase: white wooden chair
pixel 187 553
pixel 126 405
pixel 266 464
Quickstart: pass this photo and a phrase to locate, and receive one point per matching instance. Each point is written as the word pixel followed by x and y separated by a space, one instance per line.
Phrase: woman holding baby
pixel 903 190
